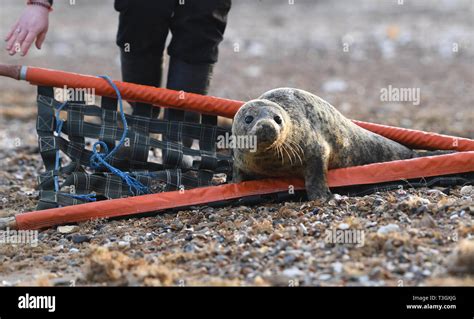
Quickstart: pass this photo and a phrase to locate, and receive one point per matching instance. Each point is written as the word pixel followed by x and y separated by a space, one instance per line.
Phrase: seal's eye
pixel 248 119
pixel 277 119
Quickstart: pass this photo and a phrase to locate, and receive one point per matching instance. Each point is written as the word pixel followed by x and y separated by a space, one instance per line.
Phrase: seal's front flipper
pixel 315 179
pixel 239 176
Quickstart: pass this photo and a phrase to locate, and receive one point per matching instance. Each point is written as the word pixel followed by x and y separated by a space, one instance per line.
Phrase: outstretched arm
pixel 32 26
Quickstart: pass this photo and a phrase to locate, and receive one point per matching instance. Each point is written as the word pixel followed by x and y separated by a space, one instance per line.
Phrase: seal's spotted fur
pixel 300 134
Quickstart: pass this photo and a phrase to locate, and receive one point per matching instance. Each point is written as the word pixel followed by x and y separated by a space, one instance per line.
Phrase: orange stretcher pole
pixel 366 174
pixel 210 105
pixel 419 139
pixel 129 91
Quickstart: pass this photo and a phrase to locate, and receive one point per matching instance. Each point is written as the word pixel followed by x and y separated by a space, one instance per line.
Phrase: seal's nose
pixel 266 131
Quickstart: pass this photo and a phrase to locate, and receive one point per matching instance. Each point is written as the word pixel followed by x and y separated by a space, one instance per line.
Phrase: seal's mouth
pixel 267 132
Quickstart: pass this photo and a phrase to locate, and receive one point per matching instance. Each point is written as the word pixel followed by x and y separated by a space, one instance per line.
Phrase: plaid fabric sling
pixel 85 124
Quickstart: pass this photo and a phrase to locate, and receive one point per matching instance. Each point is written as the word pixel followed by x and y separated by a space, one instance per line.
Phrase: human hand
pixel 32 25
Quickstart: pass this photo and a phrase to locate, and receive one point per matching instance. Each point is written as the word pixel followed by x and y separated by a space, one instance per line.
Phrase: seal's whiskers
pixel 297 150
pixel 294 152
pixel 284 147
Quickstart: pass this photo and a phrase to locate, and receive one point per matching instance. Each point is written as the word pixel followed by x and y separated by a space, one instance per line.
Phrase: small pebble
pixel 466 190
pixel 58 248
pixel 409 275
pixel 289 259
pixel 189 247
pixel 324 277
pixel 371 224
pixel 426 272
pixel 427 221
pixel 77 239
pixel 48 258
pixel 364 279
pixel 388 229
pixel 67 229
pixel 337 267
pixel 292 272
pixel 123 243
pixel 343 226
pixel 378 201
pixel 127 238
pixel 303 229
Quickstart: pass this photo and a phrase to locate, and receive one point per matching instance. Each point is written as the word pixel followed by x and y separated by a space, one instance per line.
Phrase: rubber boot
pixel 143 68
pixel 193 78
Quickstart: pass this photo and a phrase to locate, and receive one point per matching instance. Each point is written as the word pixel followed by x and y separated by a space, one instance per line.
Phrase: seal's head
pixel 266 120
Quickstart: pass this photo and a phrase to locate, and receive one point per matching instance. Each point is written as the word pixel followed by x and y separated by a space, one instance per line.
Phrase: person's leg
pixel 141 36
pixel 194 78
pixel 197 28
pixel 143 69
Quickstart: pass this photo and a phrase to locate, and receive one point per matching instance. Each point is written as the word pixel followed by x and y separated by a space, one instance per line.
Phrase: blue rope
pixel 87 197
pixel 59 126
pixel 100 158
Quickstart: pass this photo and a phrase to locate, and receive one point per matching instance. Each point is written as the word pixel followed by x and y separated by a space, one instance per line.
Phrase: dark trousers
pixel 197 28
